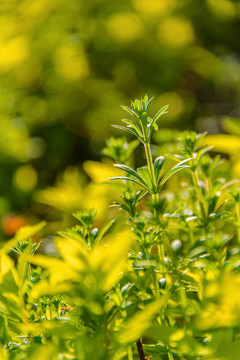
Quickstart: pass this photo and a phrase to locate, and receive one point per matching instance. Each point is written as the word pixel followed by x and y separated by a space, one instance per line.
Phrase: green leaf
pixel 148 101
pixel 203 151
pixel 134 126
pixel 146 176
pixel 158 163
pixel 173 171
pixel 131 131
pixel 103 230
pixel 162 111
pixel 161 333
pixel 130 111
pixel 132 172
pixel 129 179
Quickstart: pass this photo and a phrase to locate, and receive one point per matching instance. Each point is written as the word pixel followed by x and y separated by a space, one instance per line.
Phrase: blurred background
pixel 66 66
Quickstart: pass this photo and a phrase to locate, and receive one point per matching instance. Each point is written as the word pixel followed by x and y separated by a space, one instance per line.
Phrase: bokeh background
pixel 66 66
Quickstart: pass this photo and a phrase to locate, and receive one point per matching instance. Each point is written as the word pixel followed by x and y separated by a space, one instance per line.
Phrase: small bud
pixel 176 246
pixel 94 232
pixel 162 284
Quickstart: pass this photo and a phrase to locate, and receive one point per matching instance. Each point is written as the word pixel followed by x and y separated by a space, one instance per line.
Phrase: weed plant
pixel 158 280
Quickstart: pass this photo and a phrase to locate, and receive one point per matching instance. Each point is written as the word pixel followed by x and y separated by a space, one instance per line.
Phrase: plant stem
pixel 199 194
pixel 238 220
pixel 140 350
pixel 129 352
pixel 151 168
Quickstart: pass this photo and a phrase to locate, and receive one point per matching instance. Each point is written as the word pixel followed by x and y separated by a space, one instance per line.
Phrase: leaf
pixel 172 171
pixel 27 232
pixel 103 230
pixel 147 102
pixel 130 111
pixel 159 114
pixel 109 258
pixel 134 126
pixel 129 179
pixel 131 131
pixel 227 144
pixel 158 163
pixel 161 333
pixel 145 175
pixel 132 172
pixel 203 151
pixel 141 321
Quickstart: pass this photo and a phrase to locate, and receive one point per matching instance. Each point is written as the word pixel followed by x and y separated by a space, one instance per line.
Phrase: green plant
pixel 159 279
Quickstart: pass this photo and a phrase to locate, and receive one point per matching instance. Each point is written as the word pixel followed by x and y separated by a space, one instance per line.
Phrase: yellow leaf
pixel 135 327
pixel 110 257
pixel 28 231
pixel 227 144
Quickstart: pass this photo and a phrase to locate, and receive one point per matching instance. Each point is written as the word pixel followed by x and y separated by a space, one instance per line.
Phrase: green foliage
pixel 159 279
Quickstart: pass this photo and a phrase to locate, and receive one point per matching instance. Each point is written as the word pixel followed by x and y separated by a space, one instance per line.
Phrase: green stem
pixel 161 254
pixel 151 168
pixel 199 194
pixel 238 220
pixel 129 352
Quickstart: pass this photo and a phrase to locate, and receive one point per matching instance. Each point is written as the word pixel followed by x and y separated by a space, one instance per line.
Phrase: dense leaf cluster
pixel 159 279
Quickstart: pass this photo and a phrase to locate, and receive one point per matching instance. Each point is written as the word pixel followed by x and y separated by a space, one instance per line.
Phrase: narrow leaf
pixel 131 131
pixel 130 111
pixel 131 172
pixel 162 111
pixel 174 170
pixel 133 125
pixel 129 179
pixel 158 163
pixel 149 102
pixel 170 173
pixel 203 151
pixel 141 321
pixel 144 172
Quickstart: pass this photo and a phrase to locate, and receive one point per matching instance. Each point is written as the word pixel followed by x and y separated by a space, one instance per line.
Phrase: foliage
pixel 66 66
pixel 158 279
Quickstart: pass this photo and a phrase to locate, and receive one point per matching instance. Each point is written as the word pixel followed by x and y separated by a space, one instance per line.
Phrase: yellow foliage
pixel 6 264
pixel 28 231
pixel 222 298
pixel 227 144
pixel 99 172
pixel 110 257
pixel 139 322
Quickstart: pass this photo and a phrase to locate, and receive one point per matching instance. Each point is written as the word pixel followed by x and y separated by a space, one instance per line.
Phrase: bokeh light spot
pixel 176 32
pixel 176 105
pixel 12 52
pixel 154 7
pixel 71 62
pixel 223 9
pixel 124 27
pixel 25 178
